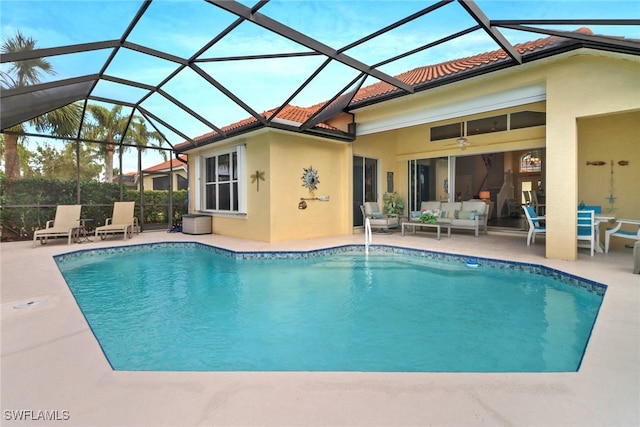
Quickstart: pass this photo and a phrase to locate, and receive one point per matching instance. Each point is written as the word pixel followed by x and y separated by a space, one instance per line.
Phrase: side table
pixel 81 230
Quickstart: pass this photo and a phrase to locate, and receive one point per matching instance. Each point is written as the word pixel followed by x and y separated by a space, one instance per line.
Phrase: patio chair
pixel 377 219
pixel 587 229
pixel 617 231
pixel 65 223
pixel 535 224
pixel 122 221
pixel 539 207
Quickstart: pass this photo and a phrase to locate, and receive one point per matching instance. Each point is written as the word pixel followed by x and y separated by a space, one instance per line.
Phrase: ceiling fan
pixel 462 143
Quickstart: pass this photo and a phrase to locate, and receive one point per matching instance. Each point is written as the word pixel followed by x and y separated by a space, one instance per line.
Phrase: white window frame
pixel 201 191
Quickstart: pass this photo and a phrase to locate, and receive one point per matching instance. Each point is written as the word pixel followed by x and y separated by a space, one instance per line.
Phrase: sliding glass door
pixel 365 185
pixel 428 180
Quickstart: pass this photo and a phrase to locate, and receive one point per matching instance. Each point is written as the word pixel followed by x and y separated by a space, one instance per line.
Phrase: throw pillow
pixel 448 214
pixel 415 214
pixel 377 215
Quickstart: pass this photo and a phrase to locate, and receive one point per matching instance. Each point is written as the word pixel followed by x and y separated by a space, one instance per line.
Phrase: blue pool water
pixel 189 307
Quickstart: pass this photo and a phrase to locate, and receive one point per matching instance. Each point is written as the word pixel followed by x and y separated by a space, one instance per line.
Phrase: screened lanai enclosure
pixel 98 96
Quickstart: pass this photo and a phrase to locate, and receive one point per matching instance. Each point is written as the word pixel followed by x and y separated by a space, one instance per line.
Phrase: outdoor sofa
pixel 467 215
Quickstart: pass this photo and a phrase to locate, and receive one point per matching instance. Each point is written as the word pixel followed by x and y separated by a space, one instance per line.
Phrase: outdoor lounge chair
pixel 122 221
pixel 535 226
pixel 617 231
pixel 377 219
pixel 65 223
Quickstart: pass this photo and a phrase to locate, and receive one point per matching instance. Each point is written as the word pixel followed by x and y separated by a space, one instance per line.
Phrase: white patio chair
pixel 587 229
pixel 535 224
pixel 617 231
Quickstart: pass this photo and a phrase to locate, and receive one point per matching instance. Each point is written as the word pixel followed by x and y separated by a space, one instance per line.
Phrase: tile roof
pixel 417 77
pixel 292 113
pixel 175 163
pixel 429 73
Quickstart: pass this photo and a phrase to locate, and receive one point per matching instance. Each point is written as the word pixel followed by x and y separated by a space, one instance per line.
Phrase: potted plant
pixel 393 203
pixel 427 217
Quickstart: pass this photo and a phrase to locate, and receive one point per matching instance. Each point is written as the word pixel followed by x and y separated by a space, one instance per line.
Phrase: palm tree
pixel 111 126
pixel 143 138
pixel 62 122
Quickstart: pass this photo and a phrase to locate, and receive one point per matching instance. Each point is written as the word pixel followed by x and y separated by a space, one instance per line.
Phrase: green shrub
pixel 27 204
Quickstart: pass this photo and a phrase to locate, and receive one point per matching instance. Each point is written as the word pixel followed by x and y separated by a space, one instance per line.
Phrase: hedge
pixel 27 204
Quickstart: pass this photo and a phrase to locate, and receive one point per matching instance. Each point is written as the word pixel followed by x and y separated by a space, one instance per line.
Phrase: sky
pixel 182 27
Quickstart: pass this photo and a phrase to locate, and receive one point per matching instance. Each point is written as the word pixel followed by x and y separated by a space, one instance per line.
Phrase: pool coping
pixel 534 268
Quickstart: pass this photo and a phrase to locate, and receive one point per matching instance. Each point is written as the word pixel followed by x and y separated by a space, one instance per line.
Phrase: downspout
pixel 181 159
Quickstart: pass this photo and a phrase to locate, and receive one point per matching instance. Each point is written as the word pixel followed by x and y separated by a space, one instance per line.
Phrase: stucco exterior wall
pixel 583 86
pixel 289 155
pixel 382 147
pixel 272 207
pixel 612 139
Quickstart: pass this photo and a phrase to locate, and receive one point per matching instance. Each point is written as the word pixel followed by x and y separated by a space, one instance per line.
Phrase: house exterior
pixel 158 177
pixel 129 180
pixel 575 105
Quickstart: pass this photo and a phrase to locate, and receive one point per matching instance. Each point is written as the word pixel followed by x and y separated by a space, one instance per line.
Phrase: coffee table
pixel 421 225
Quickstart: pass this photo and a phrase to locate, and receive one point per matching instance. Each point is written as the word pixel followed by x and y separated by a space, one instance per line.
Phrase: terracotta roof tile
pixel 175 163
pixel 290 112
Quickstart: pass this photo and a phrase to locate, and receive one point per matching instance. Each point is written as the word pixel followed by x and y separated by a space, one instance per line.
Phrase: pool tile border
pixel 566 278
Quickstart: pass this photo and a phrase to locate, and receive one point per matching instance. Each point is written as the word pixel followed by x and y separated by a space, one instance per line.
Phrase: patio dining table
pixel 598 219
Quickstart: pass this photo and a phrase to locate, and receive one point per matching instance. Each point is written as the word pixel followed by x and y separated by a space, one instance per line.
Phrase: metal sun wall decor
pixel 310 178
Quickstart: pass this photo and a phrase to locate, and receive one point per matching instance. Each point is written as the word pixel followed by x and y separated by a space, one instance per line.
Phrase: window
pixel 525 119
pixel 221 177
pixel 487 125
pixel 161 183
pixel 446 131
pixel 531 162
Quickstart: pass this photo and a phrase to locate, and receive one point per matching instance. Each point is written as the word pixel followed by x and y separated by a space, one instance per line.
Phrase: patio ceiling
pixel 190 92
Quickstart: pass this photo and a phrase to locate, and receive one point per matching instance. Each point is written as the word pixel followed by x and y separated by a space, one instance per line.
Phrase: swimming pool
pixel 193 307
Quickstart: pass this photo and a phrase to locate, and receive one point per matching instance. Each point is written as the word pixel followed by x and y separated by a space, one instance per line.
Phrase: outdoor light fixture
pixel 462 143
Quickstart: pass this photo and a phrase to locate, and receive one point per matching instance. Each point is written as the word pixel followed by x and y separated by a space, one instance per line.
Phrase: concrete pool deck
pixel 53 367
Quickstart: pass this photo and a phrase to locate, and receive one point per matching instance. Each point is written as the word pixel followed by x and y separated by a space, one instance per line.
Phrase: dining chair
pixel 535 226
pixel 632 231
pixel 587 228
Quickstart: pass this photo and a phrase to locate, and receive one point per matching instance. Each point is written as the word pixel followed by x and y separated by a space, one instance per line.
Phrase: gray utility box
pixel 196 224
